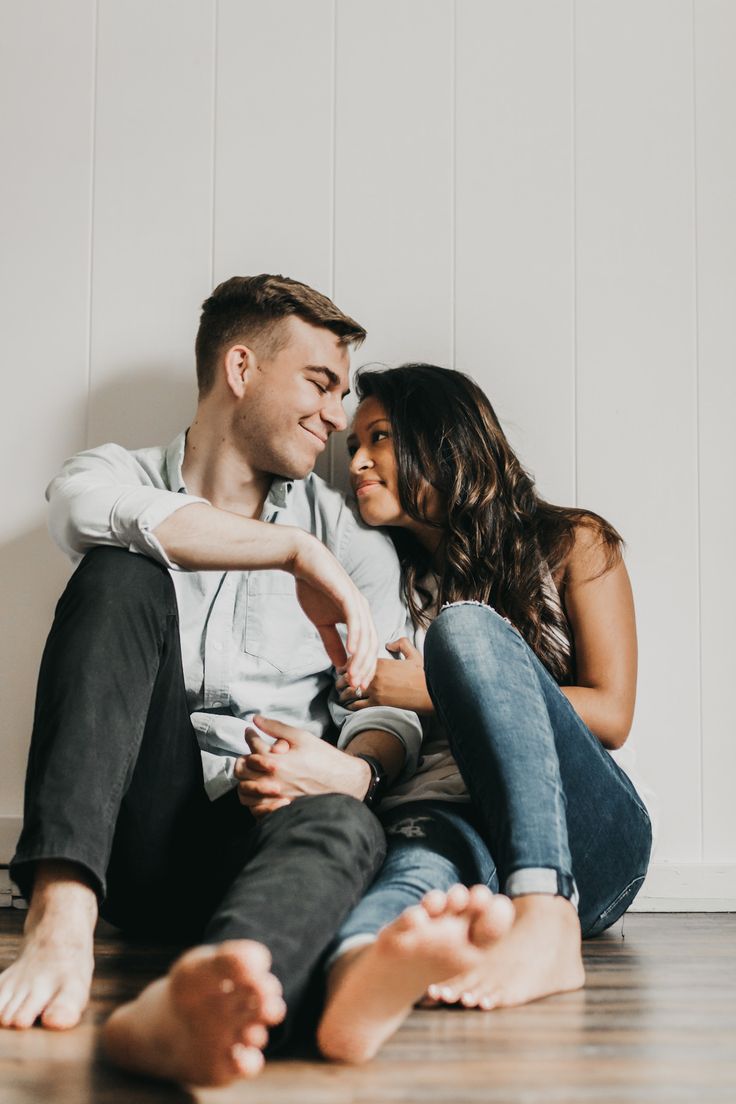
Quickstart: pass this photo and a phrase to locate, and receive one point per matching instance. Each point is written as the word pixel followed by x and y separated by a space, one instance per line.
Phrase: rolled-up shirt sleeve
pixel 370 559
pixel 105 497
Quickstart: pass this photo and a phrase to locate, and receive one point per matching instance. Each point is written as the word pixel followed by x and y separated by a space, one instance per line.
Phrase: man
pixel 181 623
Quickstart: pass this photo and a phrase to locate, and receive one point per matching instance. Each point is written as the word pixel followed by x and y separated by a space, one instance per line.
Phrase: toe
pixel 493 921
pixel 457 898
pixel 62 1013
pixel 434 903
pixel 247 1060
pixel 27 1014
pixel 469 1000
pixel 15 1002
pixel 254 1035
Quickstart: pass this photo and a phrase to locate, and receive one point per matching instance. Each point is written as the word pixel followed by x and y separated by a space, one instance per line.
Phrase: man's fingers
pixel 256 743
pixel 362 645
pixel 333 645
pixel 254 764
pixel 254 790
pixel 278 729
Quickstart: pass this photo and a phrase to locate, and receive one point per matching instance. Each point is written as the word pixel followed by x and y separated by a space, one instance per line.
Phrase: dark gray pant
pixel 115 785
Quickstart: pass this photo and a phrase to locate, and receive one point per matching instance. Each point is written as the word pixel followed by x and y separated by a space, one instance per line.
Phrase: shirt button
pixel 216 705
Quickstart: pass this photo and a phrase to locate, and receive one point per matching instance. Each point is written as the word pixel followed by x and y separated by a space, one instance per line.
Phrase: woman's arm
pixel 397 682
pixel 600 608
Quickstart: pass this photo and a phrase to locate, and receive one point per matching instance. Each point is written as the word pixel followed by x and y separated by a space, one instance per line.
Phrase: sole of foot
pixel 372 990
pixel 206 1023
pixel 539 955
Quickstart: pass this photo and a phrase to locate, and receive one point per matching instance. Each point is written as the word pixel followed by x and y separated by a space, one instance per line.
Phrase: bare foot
pixel 538 956
pixel 206 1022
pixel 372 990
pixel 53 973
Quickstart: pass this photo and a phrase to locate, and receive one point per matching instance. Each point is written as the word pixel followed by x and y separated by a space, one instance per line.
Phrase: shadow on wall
pixel 139 407
pixel 34 573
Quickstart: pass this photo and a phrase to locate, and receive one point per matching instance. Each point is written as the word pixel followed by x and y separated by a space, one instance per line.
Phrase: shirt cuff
pixel 401 723
pixel 138 512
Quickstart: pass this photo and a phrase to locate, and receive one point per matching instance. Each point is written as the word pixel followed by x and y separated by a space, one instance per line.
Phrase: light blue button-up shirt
pixel 247 646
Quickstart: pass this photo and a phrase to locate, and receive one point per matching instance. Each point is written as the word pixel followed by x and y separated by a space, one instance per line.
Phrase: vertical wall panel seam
pixel 453 183
pixel 213 176
pixel 574 203
pixel 93 149
pixel 333 193
pixel 696 381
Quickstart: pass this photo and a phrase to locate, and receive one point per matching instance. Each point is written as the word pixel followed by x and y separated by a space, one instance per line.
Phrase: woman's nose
pixel 360 460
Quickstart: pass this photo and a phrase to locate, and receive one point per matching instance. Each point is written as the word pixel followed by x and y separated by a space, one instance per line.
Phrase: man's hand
pixel 329 598
pixel 297 765
pixel 401 684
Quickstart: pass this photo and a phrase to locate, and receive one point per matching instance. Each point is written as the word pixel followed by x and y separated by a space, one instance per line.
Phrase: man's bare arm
pixel 201 537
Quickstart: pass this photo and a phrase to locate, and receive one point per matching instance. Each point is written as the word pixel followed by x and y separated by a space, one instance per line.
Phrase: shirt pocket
pixel 278 632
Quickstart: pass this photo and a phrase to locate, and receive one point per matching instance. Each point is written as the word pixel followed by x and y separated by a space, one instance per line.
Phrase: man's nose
pixel 334 413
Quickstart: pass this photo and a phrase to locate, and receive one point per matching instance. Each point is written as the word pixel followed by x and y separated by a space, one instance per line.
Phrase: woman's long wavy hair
pixel 500 540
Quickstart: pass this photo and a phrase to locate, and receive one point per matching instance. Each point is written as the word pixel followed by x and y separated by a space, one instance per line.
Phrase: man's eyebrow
pixel 331 376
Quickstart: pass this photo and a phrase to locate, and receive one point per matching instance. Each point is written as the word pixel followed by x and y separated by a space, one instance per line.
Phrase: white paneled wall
pixel 539 192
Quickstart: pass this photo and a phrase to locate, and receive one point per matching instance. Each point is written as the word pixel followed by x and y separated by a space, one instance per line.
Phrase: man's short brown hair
pixel 248 309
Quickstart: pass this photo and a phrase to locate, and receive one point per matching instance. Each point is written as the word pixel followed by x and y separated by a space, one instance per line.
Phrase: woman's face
pixel 374 474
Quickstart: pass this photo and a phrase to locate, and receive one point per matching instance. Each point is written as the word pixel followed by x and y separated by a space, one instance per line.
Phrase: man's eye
pixel 320 387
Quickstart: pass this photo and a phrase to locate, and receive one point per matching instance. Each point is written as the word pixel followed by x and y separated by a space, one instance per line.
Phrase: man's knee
pixel 116 576
pixel 341 827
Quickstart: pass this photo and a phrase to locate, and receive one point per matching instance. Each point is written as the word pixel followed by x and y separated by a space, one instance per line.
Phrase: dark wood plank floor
pixel 656 1022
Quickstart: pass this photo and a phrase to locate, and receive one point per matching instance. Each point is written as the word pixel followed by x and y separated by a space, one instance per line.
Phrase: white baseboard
pixel 688 887
pixel 669 887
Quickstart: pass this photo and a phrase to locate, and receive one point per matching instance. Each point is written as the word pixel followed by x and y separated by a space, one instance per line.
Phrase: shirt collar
pixel 174 457
pixel 277 497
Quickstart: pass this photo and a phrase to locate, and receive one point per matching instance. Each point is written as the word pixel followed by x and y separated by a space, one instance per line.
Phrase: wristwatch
pixel 378 783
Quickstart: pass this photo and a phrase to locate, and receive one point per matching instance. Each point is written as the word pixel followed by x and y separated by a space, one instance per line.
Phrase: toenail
pixel 227 986
pixel 447 994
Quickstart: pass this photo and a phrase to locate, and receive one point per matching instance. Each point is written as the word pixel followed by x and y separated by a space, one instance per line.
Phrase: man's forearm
pixel 201 537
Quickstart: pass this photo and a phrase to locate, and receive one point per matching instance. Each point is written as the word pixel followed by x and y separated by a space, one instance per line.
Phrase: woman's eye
pixel 379 435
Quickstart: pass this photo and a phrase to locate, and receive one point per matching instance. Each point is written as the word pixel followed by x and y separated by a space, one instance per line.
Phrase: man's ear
pixel 240 363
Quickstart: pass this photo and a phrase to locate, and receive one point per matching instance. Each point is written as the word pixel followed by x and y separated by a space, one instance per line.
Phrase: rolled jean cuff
pixel 542 879
pixel 362 939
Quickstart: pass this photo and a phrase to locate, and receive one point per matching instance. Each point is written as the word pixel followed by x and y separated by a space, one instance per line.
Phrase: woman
pixel 528 682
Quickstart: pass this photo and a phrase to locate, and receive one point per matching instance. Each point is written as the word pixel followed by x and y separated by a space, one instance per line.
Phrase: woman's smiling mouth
pixel 367 485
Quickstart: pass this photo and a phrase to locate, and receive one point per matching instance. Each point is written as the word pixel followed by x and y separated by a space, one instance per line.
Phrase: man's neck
pixel 214 469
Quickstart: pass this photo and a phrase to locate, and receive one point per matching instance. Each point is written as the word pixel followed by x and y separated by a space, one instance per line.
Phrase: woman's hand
pixel 397 682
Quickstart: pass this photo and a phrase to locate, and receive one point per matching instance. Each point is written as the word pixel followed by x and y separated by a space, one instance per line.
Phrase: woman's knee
pixel 465 629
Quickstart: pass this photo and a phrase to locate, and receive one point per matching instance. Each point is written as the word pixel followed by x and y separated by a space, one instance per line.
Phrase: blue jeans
pixel 554 810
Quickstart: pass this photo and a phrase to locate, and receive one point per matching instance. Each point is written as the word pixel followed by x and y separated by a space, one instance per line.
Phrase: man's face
pixel 294 401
